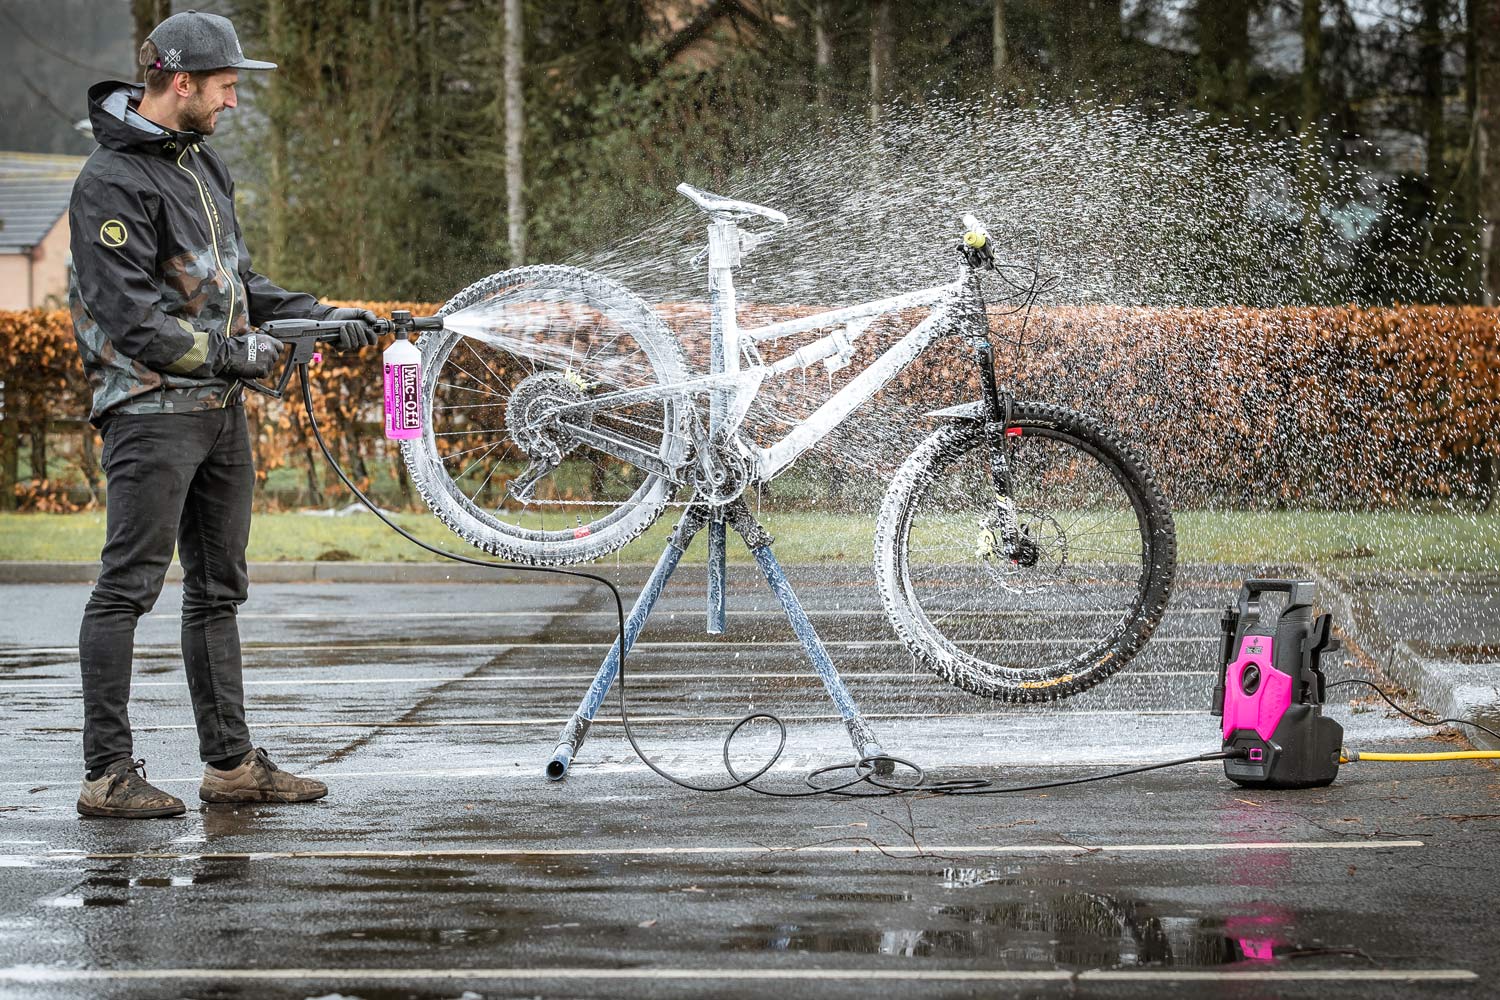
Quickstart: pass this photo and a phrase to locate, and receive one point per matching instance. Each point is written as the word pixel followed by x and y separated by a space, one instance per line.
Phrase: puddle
pixel 1013 920
pixel 108 889
pixel 72 902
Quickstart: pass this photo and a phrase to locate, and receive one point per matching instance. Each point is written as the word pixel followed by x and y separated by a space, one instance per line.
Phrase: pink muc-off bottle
pixel 403 390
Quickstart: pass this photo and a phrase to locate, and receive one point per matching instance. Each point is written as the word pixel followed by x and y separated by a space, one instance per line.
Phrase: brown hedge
pixel 1336 407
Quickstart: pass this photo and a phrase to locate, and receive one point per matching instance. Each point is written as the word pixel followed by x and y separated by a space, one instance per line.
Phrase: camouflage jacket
pixel 161 276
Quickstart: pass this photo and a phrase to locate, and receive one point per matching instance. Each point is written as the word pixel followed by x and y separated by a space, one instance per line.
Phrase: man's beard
pixel 198 117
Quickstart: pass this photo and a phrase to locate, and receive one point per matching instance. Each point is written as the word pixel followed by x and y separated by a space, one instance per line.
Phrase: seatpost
pixel 724 357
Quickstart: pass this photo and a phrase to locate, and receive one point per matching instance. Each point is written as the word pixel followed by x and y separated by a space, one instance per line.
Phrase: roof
pixel 34 192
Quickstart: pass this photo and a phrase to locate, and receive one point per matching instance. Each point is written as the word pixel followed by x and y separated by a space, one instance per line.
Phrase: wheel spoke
pixel 545 323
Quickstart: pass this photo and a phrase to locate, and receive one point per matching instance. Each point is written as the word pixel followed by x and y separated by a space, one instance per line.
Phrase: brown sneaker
pixel 257 780
pixel 120 793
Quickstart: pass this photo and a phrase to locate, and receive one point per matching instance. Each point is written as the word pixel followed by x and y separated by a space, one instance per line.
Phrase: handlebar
pixel 976 247
pixel 304 335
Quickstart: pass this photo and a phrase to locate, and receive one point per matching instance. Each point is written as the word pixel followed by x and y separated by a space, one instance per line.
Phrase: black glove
pixel 358 332
pixel 251 355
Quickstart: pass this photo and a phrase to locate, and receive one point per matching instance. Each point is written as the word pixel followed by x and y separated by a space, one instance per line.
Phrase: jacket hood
pixel 116 125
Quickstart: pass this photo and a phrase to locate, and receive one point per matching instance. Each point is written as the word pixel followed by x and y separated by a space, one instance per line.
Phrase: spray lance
pixel 402 362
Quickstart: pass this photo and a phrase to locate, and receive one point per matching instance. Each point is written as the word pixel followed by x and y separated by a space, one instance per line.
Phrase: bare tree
pixel 1001 62
pixel 1310 162
pixel 1485 23
pixel 822 52
pixel 880 56
pixel 1222 30
pixel 1430 43
pixel 276 181
pixel 515 129
pixel 147 14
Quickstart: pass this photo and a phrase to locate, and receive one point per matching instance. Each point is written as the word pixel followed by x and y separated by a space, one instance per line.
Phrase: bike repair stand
pixel 697 515
pixel 725 248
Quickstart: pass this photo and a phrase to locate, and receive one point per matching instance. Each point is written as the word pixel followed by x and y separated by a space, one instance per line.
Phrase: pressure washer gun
pixel 302 337
pixel 1271 689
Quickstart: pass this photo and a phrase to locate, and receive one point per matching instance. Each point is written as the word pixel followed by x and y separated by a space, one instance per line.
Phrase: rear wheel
pixel 506 385
pixel 1062 603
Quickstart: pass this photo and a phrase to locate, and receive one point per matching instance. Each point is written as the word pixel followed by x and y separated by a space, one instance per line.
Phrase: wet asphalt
pixel 442 864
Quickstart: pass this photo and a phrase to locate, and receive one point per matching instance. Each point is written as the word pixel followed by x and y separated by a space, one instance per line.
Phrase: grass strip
pixel 1431 542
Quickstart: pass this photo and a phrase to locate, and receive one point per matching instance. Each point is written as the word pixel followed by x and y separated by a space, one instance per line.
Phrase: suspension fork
pixel 997 402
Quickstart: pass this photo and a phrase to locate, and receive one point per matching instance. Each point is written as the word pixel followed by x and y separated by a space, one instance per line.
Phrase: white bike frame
pixel 836 348
pixel 726 246
pixel 731 388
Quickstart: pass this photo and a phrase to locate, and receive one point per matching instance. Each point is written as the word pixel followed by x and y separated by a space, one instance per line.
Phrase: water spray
pixel 876 771
pixel 569 412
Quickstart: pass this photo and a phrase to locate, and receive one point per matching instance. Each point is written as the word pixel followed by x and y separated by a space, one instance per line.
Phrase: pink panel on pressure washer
pixel 1262 709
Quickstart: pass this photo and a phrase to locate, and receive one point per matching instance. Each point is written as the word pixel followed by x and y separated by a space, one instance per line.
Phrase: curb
pixel 1452 690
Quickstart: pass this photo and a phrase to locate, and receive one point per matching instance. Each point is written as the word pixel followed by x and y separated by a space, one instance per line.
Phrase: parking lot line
pixel 41 975
pixel 738 850
pixel 790 764
pixel 606 720
pixel 543 613
pixel 635 677
pixel 163 649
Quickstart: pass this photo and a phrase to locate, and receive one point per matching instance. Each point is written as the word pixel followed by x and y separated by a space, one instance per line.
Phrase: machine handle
pixel 1300 594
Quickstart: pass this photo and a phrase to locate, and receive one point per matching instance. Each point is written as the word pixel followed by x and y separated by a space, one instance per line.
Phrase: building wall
pixel 48 268
pixel 13 268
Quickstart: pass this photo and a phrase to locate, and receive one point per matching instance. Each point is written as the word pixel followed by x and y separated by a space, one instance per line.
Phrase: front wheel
pixel 1034 596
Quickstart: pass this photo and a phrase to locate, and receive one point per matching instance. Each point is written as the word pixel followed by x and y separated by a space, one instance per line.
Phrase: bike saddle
pixel 715 204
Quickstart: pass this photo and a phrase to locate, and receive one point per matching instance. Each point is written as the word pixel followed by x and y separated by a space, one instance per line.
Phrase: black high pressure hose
pixel 864 769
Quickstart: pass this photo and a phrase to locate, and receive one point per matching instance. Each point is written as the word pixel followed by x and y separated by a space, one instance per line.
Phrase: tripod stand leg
pixel 759 541
pixel 576 729
pixel 717 594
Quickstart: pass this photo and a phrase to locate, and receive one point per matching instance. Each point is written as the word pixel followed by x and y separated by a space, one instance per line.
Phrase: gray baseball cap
pixel 193 42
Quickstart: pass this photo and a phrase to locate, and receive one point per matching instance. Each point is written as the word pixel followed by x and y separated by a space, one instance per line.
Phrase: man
pixel 164 301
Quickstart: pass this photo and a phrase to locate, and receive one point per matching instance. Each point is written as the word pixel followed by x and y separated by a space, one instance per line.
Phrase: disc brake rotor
pixel 1042 546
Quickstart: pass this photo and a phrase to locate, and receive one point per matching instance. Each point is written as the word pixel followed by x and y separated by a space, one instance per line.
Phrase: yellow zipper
pixel 213 230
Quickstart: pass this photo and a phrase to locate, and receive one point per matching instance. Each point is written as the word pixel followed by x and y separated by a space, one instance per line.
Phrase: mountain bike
pixel 1023 551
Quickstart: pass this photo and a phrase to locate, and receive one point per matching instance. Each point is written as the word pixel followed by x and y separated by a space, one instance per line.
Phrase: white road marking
pixel 614 721
pixel 792 765
pixel 1281 975
pixel 635 677
pixel 160 649
pixel 771 612
pixel 43 975
pixel 734 850
pixel 661 614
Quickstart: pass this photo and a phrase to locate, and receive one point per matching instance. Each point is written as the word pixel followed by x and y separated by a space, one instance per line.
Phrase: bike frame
pixel 772 460
pixel 732 388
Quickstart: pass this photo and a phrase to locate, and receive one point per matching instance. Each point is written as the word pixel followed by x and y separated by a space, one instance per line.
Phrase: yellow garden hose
pixel 1350 756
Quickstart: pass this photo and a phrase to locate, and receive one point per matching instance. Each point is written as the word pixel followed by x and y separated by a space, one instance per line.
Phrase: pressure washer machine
pixel 1271 689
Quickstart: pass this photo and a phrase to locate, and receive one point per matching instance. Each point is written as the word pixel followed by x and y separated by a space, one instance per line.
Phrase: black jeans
pixel 181 479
